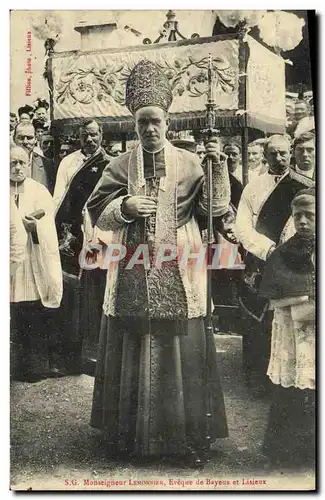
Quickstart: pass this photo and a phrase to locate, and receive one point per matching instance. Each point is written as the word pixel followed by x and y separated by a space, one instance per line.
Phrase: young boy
pixel 289 283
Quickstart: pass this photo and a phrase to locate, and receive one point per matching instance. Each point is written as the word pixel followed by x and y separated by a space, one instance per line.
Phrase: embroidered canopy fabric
pixel 92 84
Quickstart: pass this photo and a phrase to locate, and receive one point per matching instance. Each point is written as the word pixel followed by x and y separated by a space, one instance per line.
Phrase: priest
pixel 157 375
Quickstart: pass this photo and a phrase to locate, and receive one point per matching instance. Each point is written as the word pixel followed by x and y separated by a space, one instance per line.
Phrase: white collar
pixel 154 152
pixel 308 173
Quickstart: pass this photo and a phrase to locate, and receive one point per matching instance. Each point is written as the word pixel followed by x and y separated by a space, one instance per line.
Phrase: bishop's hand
pixel 212 152
pixel 139 206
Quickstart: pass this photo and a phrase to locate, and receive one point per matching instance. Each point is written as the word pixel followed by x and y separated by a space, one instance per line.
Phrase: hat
pixel 147 85
pixel 41 103
pixel 25 109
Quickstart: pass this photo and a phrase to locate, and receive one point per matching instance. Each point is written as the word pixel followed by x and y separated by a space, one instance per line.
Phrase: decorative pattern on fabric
pixel 188 283
pixel 265 94
pixel 220 192
pixel 302 178
pixel 111 218
pixel 119 237
pixel 167 297
pixel 132 290
pixel 131 297
pixel 147 85
pixel 93 84
pixel 152 189
pixel 292 360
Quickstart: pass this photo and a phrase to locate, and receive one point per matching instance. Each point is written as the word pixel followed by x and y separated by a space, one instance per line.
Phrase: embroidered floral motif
pixel 87 84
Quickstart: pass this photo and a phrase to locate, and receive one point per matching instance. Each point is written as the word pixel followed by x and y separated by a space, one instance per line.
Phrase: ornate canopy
pixel 249 84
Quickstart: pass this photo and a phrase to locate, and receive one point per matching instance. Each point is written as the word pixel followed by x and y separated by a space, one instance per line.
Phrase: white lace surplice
pixel 292 360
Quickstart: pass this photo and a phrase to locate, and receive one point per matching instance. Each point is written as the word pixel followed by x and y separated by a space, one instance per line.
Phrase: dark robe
pixel 43 171
pixel 69 215
pixel 236 189
pixel 290 434
pixel 79 320
pixel 30 339
pixel 225 282
pixel 289 271
pixel 154 388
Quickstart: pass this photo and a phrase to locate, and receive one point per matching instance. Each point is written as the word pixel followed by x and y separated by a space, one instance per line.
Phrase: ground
pixel 53 446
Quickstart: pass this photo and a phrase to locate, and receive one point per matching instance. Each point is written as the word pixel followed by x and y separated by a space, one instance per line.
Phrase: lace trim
pixel 276 381
pixel 292 360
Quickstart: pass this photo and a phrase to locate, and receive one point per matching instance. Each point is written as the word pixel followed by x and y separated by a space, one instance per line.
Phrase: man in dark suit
pixel 41 168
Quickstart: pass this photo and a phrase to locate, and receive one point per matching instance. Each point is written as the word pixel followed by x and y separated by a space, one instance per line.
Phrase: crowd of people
pixel 157 390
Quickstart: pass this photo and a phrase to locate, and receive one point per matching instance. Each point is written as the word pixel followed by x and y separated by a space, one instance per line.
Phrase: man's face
pixel 233 159
pixel 290 109
pixel 305 155
pixel 278 155
pixel 46 143
pixel 25 118
pixel 13 123
pixel 18 164
pixel 41 113
pixel 90 138
pixel 38 134
pixel 304 217
pixel 301 110
pixel 254 155
pixel 25 137
pixel 151 126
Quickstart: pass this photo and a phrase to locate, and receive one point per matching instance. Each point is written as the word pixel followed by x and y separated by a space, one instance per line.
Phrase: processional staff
pixel 210 134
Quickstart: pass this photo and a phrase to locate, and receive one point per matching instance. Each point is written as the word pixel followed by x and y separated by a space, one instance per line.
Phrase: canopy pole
pixel 243 60
pixel 244 154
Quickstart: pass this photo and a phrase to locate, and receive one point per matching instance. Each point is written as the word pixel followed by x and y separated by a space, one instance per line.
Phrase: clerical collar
pixel 17 187
pixel 91 154
pixel 154 163
pixel 307 173
pixel 153 152
pixel 277 174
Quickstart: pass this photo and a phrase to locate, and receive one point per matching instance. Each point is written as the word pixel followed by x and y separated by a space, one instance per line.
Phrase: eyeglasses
pixel 22 137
